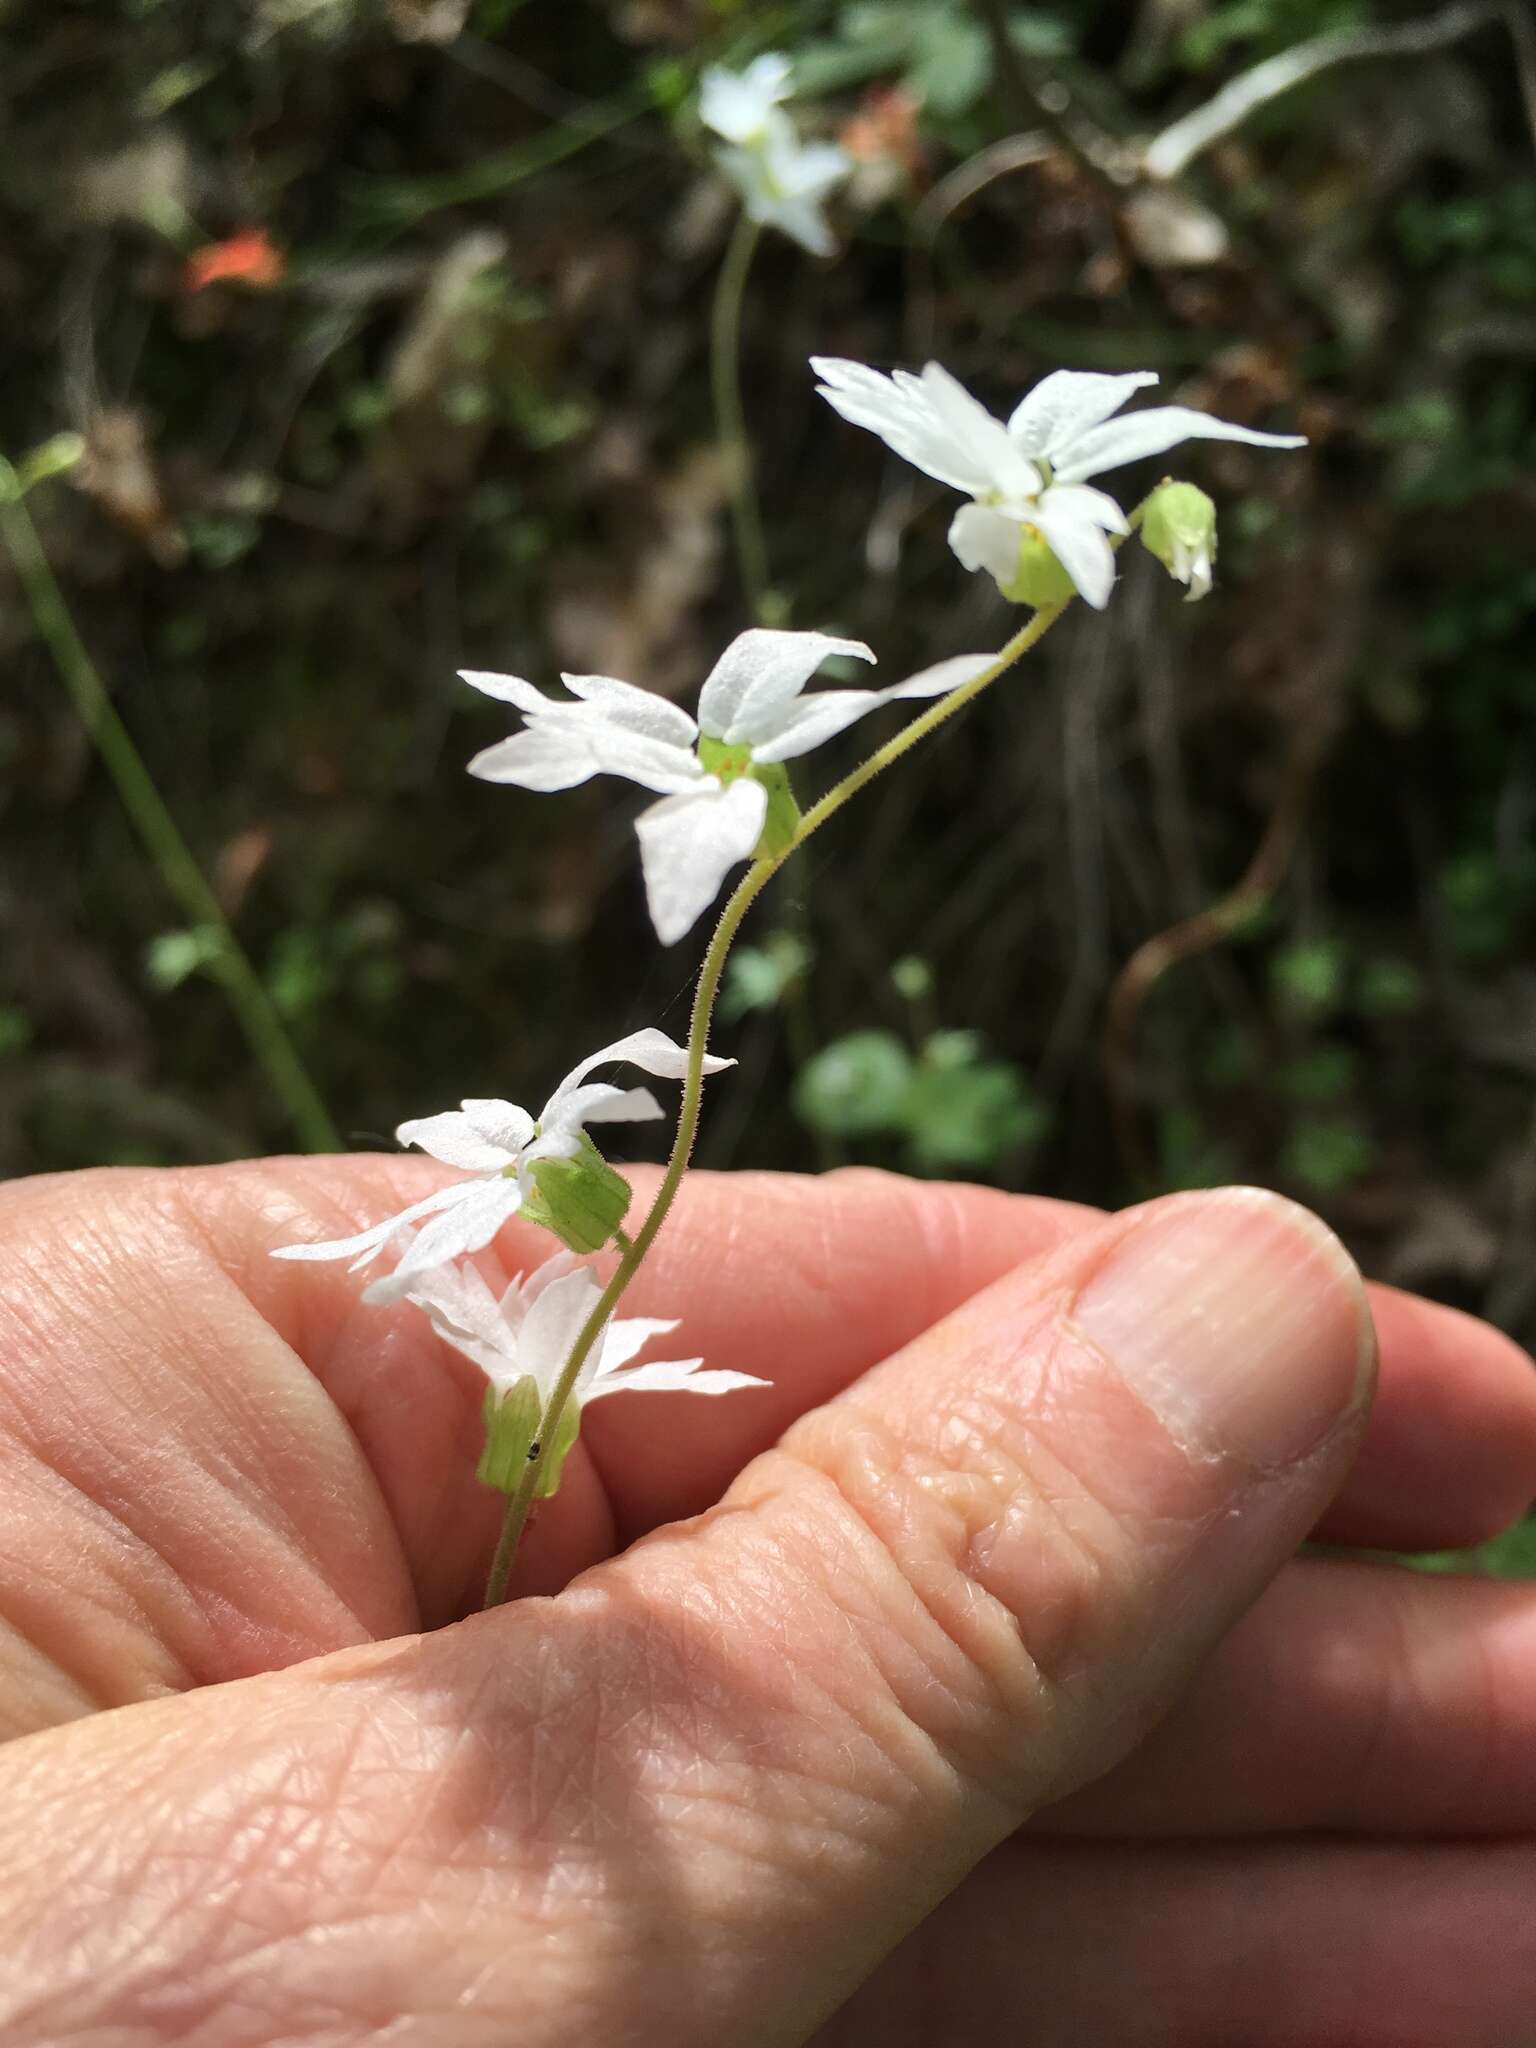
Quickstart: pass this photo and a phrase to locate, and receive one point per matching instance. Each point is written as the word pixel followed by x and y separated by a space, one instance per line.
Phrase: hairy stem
pixel 730 420
pixel 185 881
pixel 747 891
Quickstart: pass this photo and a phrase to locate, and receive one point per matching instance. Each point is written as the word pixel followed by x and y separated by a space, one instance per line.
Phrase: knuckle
pixel 989 1566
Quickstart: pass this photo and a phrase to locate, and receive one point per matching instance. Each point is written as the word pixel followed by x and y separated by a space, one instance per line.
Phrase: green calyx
pixel 512 1424
pixel 1179 528
pixel 581 1199
pixel 1039 579
pixel 782 821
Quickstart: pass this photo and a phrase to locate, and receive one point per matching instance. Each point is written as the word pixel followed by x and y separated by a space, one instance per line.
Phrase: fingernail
pixel 1239 1319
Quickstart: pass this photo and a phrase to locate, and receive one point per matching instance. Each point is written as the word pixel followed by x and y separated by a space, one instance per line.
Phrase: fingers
pixel 1449 1456
pixel 1351 1699
pixel 217 1514
pixel 179 1500
pixel 1273 1945
pixel 697 1797
pixel 808 1282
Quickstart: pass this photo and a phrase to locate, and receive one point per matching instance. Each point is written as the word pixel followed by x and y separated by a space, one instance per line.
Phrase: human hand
pixel 704 1793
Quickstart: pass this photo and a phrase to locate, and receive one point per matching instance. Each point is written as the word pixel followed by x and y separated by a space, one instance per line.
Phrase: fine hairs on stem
pixel 184 880
pixel 520 1503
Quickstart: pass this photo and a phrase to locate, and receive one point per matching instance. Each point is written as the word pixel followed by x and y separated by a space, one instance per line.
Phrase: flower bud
pixel 1039 579
pixel 1179 527
pixel 581 1199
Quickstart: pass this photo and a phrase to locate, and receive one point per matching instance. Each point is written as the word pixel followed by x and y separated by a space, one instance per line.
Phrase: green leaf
pixel 968 1117
pixel 857 1086
pixel 1326 1157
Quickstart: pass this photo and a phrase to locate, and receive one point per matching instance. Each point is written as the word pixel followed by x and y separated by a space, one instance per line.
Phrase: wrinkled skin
pixel 958 1689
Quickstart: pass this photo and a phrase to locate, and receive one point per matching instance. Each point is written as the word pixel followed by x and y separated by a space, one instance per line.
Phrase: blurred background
pixel 387 324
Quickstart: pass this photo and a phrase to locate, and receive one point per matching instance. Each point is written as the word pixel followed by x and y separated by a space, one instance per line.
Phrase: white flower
pixel 742 106
pixel 500 1145
pixel 754 714
pixel 781 180
pixel 1028 478
pixel 528 1333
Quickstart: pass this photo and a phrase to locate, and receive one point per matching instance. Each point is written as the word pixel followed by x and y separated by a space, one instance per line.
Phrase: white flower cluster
pixel 526 1333
pixel 1027 480
pixel 782 181
pixel 1039 527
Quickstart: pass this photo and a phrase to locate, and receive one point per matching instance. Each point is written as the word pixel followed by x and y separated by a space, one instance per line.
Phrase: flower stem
pixel 746 893
pixel 740 902
pixel 730 420
pixel 157 829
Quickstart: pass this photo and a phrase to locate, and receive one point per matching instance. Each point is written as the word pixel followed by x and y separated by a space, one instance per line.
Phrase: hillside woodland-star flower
pixel 501 1147
pixel 782 182
pixel 715 775
pixel 1028 479
pixel 529 1331
pixel 521 1341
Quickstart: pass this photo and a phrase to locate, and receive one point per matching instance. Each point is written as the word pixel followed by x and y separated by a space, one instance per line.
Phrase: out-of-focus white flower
pixel 742 106
pixel 718 777
pixel 521 1341
pixel 782 181
pixel 502 1147
pixel 1179 528
pixel 1027 480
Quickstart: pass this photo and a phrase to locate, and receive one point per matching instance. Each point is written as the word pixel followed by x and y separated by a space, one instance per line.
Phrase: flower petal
pixel 506 689
pixel 601 1103
pixel 996 456
pixel 941 677
pixel 499 1123
pixel 459 1140
pixel 468 1226
pixel 551 1326
pixel 689 843
pixel 464 1313
pixel 809 720
pixel 543 757
pixel 637 710
pixel 629 1335
pixel 802 220
pixel 1067 403
pixel 1153 433
pixel 903 417
pixel 649 1049
pixel 367 1244
pixel 736 104
pixel 984 538
pixel 1078 543
pixel 669 1376
pixel 760 672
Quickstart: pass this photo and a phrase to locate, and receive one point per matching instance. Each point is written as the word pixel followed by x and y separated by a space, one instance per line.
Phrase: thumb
pixel 697 1796
pixel 975 1579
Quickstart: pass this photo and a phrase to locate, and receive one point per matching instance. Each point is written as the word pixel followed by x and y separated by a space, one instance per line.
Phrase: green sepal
pixel 511 1426
pixel 1178 527
pixel 552 1464
pixel 1039 579
pixel 782 820
pixel 582 1200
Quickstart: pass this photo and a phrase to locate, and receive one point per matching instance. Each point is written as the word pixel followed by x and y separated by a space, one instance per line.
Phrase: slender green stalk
pixel 184 879
pixel 730 419
pixel 747 891
pixel 738 904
